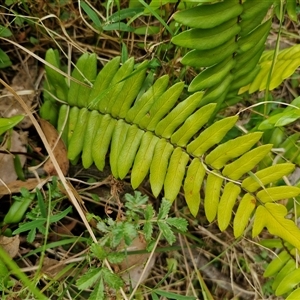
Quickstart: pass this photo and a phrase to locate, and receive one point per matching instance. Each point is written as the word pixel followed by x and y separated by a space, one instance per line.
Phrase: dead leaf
pixel 10 244
pixel 15 186
pixel 15 142
pixel 60 150
pixel 51 267
pixel 132 267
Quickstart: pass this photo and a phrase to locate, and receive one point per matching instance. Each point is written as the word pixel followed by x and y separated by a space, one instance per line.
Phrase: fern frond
pixel 159 134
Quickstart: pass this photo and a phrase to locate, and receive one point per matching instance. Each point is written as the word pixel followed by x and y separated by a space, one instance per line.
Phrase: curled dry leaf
pixel 10 244
pixel 132 267
pixel 15 186
pixel 15 142
pixel 58 147
pixel 23 84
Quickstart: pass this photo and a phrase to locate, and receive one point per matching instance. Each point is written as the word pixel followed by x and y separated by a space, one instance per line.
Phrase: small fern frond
pixel 169 139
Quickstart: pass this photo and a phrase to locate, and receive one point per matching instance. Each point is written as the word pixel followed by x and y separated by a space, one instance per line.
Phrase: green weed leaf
pixel 179 223
pixel 166 231
pixel 112 280
pixel 88 279
pixel 164 209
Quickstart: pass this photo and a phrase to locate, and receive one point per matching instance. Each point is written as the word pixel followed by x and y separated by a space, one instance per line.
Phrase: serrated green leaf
pixel 246 162
pixel 148 230
pixel 116 257
pixel 163 209
pixel 89 278
pixel 179 223
pixel 243 213
pixel 266 176
pixel 166 231
pixel 192 184
pixel 212 195
pixel 272 216
pixel 211 136
pixel 278 193
pixel 98 251
pixel 98 291
pixel 111 279
pixel 149 212
pixel 227 201
pixel 175 173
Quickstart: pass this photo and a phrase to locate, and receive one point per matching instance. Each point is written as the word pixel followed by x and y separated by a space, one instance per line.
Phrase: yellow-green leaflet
pixel 89 136
pixel 273 217
pixel 278 193
pixel 159 165
pixel 161 106
pixel 192 125
pixel 208 58
pixel 206 39
pixel 212 76
pixel 277 263
pixel 63 122
pixel 102 140
pixel 130 90
pixel 288 283
pixel 230 193
pixel 143 159
pixel 289 267
pixel 294 295
pixel 266 176
pixel 103 80
pixel 175 173
pixel 85 68
pixel 178 115
pixel 209 16
pixel 232 149
pixel 211 136
pixel 77 139
pixel 212 195
pixel 57 79
pixel 137 112
pixel 106 98
pixel 192 184
pixel 89 72
pixel 243 213
pixel 246 162
pixel 117 142
pixel 218 92
pixel 129 149
pixel 73 118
